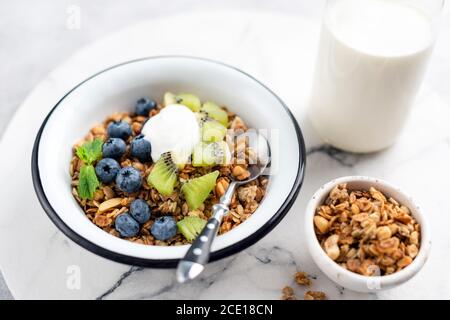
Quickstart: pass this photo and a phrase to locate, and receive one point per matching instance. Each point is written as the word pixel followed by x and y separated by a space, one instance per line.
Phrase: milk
pixel 372 59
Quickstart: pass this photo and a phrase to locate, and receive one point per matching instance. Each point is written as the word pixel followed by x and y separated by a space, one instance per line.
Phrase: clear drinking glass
pixel 371 62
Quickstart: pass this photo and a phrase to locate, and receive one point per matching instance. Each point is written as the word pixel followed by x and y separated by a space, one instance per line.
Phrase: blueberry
pixel 126 225
pixel 144 106
pixel 140 211
pixel 107 169
pixel 141 148
pixel 114 148
pixel 129 180
pixel 164 228
pixel 119 129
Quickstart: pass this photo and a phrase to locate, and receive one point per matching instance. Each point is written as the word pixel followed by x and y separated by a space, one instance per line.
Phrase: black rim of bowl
pixel 168 263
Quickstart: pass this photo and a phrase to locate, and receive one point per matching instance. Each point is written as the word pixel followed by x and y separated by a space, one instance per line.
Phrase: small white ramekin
pixel 351 280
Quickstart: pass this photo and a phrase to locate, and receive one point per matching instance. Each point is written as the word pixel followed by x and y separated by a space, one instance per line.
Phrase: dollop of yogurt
pixel 175 128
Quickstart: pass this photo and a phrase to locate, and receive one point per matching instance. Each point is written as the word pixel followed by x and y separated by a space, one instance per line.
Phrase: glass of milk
pixel 372 58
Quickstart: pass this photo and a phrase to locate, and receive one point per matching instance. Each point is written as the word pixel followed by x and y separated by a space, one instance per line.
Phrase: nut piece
pixel 355 208
pixel 109 204
pixel 321 224
pixel 412 250
pixel 240 173
pixel 383 233
pixel 331 247
pixel 221 186
pixel 414 238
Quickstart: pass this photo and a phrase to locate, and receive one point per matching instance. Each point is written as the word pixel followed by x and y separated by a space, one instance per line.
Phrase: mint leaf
pixel 89 152
pixel 88 182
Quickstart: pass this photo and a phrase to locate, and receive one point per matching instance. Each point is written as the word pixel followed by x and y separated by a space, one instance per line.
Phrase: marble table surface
pixel 38 261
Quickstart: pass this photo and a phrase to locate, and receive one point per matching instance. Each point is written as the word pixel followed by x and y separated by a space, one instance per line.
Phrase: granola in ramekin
pixel 105 203
pixel 366 232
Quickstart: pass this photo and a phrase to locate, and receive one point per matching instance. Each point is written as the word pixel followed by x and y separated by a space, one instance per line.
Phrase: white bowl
pixel 351 280
pixel 117 89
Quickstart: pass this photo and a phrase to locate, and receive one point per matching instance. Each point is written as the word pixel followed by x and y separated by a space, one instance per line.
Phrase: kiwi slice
pixel 211 154
pixel 212 130
pixel 187 99
pixel 215 112
pixel 198 189
pixel 164 175
pixel 190 227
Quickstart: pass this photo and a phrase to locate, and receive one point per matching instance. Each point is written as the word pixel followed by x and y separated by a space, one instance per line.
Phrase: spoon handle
pixel 198 254
pixel 201 247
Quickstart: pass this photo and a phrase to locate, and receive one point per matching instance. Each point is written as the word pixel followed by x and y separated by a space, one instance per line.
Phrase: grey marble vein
pixel 273 255
pixel 346 159
pixel 205 281
pixel 118 283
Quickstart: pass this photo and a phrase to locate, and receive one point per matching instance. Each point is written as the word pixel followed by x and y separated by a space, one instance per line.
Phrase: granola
pixel 109 201
pixel 288 294
pixel 303 280
pixel 366 232
pixel 314 295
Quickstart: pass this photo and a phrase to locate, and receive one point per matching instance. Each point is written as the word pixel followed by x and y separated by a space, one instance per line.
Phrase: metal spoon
pixel 197 256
